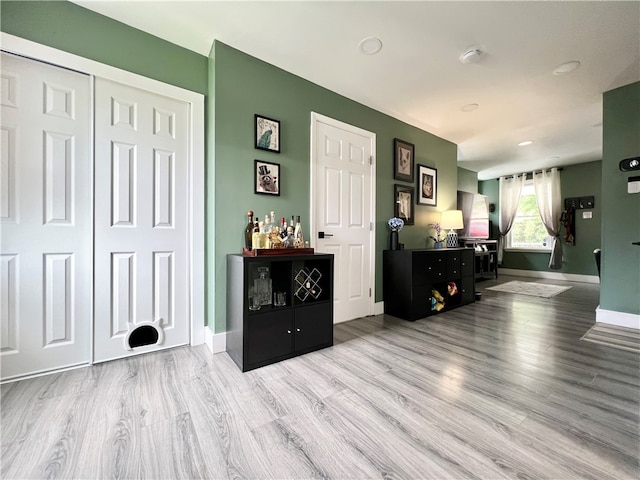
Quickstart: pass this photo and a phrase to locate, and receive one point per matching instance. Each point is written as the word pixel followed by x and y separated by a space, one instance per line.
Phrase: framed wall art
pixel 267 179
pixel 427 186
pixel 403 160
pixel 267 134
pixel 404 199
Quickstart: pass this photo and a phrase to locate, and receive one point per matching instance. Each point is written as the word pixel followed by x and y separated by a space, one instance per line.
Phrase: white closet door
pixel 45 217
pixel 141 217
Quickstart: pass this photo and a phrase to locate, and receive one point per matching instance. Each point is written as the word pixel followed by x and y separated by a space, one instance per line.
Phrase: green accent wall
pixel 467 180
pixel 74 29
pixel 245 86
pixel 579 180
pixel 620 288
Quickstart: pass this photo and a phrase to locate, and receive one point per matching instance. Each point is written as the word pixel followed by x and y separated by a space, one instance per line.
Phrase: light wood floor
pixel 502 388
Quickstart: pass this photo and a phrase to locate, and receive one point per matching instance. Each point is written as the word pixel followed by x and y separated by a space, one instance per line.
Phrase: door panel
pixel 141 247
pixel 45 215
pixel 343 209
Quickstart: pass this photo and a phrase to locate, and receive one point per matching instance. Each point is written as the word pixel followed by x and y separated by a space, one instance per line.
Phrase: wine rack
pixel 307 284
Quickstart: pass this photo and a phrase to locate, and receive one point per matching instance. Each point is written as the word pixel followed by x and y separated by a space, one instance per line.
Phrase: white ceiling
pixel 417 77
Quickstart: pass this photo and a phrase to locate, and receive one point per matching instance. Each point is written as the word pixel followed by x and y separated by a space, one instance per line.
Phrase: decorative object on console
pixel 438 239
pixel 403 160
pixel 427 186
pixel 267 134
pixel 395 224
pixel 452 220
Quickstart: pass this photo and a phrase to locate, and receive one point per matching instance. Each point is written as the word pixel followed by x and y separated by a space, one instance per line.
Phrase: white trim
pixel 216 342
pixel 319 118
pixel 378 308
pixel 21 46
pixel 569 277
pixel 620 319
pixel 42 373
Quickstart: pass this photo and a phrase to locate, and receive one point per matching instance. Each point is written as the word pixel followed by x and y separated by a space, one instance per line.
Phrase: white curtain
pixel 510 190
pixel 548 198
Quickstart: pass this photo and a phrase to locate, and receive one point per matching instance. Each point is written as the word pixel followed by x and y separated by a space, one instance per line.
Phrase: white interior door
pixel 342 186
pixel 45 217
pixel 141 217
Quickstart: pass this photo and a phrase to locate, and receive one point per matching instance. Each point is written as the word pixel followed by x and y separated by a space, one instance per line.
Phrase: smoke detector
pixel 471 55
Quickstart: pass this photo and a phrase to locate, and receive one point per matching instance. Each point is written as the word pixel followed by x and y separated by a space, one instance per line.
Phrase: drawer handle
pixel 298 330
pixel 289 332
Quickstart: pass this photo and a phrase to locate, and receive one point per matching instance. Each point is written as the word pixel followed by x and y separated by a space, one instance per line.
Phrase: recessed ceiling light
pixel 370 45
pixel 525 143
pixel 567 67
pixel 469 107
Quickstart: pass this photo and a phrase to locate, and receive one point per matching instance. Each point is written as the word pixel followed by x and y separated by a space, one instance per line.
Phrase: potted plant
pixel 438 240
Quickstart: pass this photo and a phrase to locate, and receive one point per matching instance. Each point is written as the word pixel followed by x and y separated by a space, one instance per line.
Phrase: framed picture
pixel 403 160
pixel 427 186
pixel 266 178
pixel 267 134
pixel 404 203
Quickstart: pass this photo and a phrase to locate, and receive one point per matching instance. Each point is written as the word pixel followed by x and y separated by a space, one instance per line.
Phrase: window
pixel 528 232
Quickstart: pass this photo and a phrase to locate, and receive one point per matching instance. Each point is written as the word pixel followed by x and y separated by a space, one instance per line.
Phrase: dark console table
pixel 419 283
pixel 276 332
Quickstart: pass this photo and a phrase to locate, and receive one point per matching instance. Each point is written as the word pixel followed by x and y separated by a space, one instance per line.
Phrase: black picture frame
pixel 427 186
pixel 403 160
pixel 403 203
pixel 267 179
pixel 266 133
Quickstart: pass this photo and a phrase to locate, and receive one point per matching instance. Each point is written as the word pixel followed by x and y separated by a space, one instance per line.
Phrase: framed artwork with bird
pixel 267 134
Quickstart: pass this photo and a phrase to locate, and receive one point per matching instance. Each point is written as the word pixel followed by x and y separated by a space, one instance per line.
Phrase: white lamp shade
pixel 451 220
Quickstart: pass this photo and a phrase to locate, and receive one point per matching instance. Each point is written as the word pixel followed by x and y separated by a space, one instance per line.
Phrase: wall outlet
pixel 587 214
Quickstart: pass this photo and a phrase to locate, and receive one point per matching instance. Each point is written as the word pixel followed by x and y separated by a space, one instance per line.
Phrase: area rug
pixel 614 336
pixel 529 288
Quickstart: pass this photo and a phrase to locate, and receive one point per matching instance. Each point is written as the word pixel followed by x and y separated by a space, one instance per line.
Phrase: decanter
pixel 262 286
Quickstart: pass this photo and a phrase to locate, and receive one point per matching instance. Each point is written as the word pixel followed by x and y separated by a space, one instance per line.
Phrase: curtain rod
pixel 528 174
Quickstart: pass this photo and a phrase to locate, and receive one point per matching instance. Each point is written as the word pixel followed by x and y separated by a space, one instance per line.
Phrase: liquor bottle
pixel 255 236
pixel 273 218
pixel 248 231
pixel 267 224
pixel 283 228
pixel 298 239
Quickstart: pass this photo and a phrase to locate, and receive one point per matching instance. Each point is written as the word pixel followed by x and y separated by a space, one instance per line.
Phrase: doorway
pixel 343 210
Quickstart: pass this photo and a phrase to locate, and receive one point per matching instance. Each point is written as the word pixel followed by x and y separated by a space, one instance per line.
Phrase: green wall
pixel 620 289
pixel 74 29
pixel 245 86
pixel 467 180
pixel 577 181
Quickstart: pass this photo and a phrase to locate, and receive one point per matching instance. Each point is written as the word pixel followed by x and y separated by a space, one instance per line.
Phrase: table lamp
pixel 452 220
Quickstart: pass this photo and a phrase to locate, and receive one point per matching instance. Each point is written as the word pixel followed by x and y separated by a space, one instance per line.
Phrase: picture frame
pixel 403 203
pixel 403 160
pixel 266 133
pixel 266 178
pixel 427 186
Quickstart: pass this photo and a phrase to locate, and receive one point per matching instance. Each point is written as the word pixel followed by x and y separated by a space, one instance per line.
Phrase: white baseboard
pixel 216 342
pixel 570 277
pixel 620 319
pixel 378 308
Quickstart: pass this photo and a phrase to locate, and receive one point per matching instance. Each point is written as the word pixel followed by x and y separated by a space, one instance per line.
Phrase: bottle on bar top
pixel 298 238
pixel 248 232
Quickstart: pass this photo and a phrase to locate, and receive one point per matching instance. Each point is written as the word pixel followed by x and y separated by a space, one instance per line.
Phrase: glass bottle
pixel 298 238
pixel 255 236
pixel 262 286
pixel 283 228
pixel 248 232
